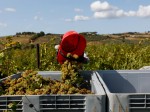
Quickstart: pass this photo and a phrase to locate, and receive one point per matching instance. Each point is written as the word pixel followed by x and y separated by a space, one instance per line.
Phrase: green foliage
pixel 25 33
pixel 37 35
pixel 110 56
pixel 8 65
pixel 118 56
pixel 48 59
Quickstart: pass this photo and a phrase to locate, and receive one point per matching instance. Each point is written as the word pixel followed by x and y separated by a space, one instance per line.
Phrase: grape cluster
pixel 71 73
pixel 31 83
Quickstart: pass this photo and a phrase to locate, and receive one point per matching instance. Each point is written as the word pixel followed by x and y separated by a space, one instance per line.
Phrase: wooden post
pixel 38 55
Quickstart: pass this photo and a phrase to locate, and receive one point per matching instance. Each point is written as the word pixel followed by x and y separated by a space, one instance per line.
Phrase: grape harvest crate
pixel 126 90
pixel 58 103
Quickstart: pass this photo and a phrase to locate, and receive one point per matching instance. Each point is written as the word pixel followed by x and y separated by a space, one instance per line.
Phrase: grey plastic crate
pixel 127 90
pixel 145 68
pixel 59 103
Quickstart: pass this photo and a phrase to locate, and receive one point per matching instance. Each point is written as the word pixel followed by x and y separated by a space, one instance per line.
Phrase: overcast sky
pixel 59 16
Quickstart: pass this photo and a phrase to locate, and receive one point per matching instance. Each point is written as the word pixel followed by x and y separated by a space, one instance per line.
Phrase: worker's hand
pixel 57 47
pixel 86 58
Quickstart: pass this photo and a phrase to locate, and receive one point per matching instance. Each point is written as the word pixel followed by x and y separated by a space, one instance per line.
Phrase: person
pixel 72 47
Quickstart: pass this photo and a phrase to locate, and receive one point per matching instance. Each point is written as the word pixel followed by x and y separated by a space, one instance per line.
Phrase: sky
pixel 60 16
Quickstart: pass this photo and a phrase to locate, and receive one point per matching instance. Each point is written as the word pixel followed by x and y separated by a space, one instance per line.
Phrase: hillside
pixel 91 37
pixel 26 39
pixel 115 51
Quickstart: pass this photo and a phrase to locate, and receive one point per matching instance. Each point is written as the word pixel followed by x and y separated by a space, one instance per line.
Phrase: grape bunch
pixel 71 73
pixel 31 83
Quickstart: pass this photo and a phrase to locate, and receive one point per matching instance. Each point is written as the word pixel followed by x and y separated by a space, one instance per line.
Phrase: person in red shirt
pixel 72 47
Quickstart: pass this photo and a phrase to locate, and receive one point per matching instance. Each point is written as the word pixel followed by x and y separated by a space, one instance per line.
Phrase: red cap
pixel 73 43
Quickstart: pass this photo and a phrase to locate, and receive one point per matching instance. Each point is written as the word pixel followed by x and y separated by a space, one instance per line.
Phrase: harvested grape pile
pixel 31 83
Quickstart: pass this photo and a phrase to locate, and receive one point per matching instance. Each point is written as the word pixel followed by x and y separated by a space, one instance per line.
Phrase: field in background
pixel 112 52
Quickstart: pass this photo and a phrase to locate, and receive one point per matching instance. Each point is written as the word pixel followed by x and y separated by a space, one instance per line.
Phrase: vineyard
pixel 24 60
pixel 103 54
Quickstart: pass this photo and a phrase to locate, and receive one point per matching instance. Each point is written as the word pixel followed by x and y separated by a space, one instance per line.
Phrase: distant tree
pixel 37 35
pixel 23 33
pixel 18 33
pixel 49 34
pixel 28 33
pixel 42 33
pixel 34 37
